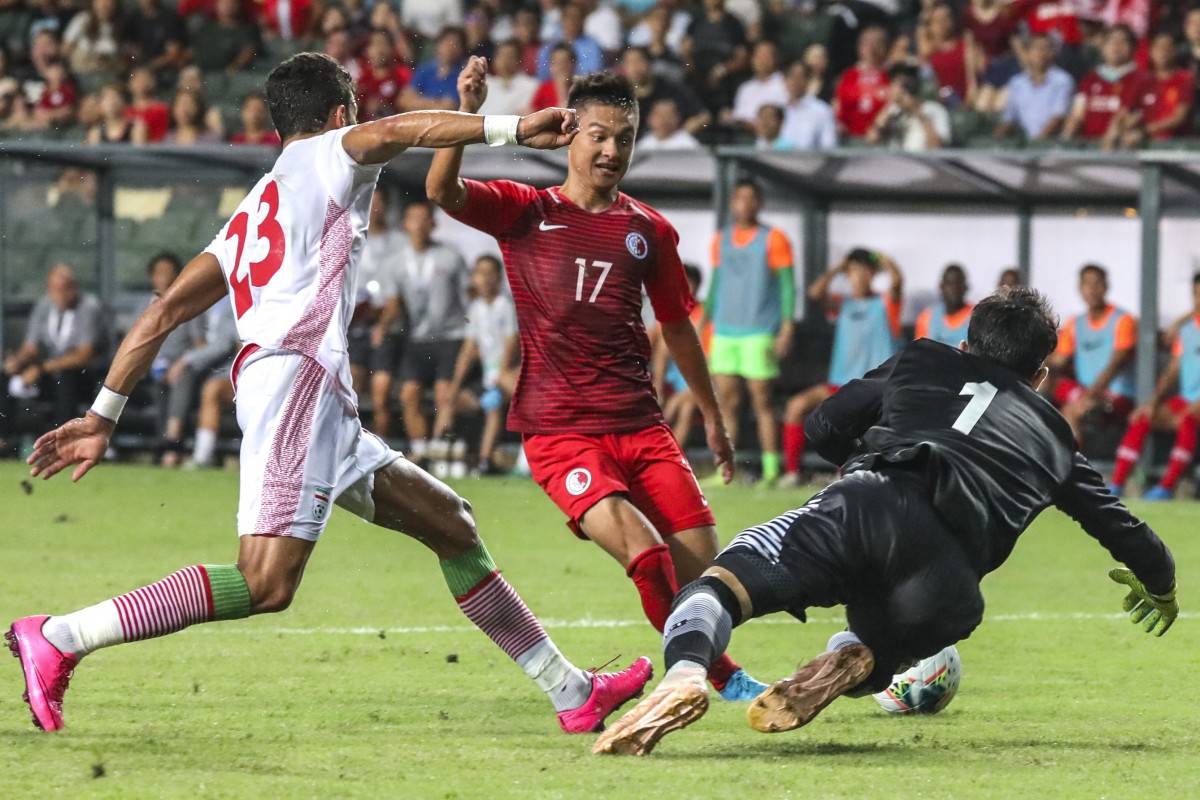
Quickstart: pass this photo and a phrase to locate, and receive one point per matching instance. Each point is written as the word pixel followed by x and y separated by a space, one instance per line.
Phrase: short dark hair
pixel 419 201
pixel 304 90
pixel 605 88
pixel 907 77
pixel 749 183
pixel 1096 268
pixel 457 32
pixel 491 259
pixel 958 268
pixel 164 255
pixel 563 47
pixel 861 255
pixel 1196 279
pixel 1126 31
pixel 1014 327
pixel 693 274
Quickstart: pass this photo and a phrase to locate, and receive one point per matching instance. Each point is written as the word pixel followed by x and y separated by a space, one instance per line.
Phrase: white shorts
pixel 302 449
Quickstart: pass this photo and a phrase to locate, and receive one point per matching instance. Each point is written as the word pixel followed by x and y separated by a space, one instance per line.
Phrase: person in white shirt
pixel 491 341
pixel 510 90
pixel 287 260
pixel 808 121
pixel 429 17
pixel 766 86
pixel 908 123
pixel 375 343
pixel 664 130
pixel 603 24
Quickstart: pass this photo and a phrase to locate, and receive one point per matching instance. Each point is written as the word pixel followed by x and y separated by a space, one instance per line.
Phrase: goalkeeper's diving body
pixel 947 456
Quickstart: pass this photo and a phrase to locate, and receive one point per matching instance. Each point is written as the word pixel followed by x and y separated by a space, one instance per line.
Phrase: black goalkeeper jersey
pixel 991 452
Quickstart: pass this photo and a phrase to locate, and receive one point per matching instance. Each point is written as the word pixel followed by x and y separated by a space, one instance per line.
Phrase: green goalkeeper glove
pixel 1155 612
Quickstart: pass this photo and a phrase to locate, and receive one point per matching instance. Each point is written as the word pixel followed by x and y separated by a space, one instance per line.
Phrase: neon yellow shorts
pixel 751 357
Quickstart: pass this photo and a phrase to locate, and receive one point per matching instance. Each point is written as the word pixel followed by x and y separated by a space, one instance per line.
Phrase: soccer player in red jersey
pixel 578 257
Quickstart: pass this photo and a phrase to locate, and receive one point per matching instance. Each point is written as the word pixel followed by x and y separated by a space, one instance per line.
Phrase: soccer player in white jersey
pixel 287 260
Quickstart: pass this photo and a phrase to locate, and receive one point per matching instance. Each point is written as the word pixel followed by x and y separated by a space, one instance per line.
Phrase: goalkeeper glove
pixel 1155 612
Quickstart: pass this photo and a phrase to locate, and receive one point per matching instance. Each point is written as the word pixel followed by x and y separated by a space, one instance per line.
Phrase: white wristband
pixel 109 404
pixel 500 129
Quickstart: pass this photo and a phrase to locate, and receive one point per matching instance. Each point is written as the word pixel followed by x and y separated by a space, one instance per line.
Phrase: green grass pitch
pixel 373 685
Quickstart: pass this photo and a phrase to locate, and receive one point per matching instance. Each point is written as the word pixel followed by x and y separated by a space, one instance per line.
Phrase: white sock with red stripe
pixel 494 606
pixel 192 595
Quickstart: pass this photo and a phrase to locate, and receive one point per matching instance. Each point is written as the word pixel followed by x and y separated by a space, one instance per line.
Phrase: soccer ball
pixel 926 688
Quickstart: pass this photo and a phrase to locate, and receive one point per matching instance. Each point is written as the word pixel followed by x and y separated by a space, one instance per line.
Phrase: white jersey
pixel 490 325
pixel 290 253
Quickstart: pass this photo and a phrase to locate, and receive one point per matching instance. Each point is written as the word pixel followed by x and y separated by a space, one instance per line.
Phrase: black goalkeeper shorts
pixel 872 542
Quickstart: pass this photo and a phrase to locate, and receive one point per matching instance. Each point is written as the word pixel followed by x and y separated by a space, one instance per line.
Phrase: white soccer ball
pixel 926 688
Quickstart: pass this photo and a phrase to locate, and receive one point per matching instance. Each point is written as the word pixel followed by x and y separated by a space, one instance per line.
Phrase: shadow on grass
pixel 772 748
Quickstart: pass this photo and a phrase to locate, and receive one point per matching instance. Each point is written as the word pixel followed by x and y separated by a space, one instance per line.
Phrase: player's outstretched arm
pixel 81 442
pixel 384 139
pixel 834 427
pixel 683 343
pixel 1085 498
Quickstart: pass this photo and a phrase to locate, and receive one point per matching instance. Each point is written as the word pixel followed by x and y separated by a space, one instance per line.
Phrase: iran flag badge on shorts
pixel 321 497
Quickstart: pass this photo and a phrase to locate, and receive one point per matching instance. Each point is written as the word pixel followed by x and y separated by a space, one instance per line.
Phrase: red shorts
pixel 578 470
pixel 1068 390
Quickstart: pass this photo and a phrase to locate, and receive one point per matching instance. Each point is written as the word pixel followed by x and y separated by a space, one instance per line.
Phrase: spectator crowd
pixel 779 74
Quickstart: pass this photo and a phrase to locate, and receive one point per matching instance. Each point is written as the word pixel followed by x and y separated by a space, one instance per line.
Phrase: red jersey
pixel 1165 96
pixel 270 138
pixel 993 36
pixel 861 94
pixel 577 280
pixel 379 94
pixel 1057 18
pixel 54 99
pixel 547 96
pixel 1105 98
pixel 950 68
pixel 155 116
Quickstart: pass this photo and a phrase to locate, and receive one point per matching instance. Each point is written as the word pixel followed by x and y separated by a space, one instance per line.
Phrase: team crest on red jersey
pixel 578 481
pixel 637 246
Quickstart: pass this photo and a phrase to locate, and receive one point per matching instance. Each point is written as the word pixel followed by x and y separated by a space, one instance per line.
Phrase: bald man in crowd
pixel 64 340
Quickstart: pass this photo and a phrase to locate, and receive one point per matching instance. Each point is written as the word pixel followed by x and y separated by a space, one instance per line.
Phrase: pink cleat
pixel 610 690
pixel 47 671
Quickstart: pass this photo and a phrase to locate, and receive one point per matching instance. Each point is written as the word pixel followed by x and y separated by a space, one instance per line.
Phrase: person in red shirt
pixel 256 123
pixel 862 91
pixel 57 105
pixel 145 108
pixel 1167 107
pixel 381 78
pixel 949 54
pixel 1110 98
pixel 553 93
pixel 578 257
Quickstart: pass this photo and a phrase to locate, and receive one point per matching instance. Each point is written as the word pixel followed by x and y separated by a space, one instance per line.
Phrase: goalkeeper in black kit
pixel 947 457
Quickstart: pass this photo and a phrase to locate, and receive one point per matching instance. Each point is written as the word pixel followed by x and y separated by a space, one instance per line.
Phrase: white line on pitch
pixel 575 624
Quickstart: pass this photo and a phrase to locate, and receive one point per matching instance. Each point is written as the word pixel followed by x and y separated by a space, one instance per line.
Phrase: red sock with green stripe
pixel 200 593
pixel 494 606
